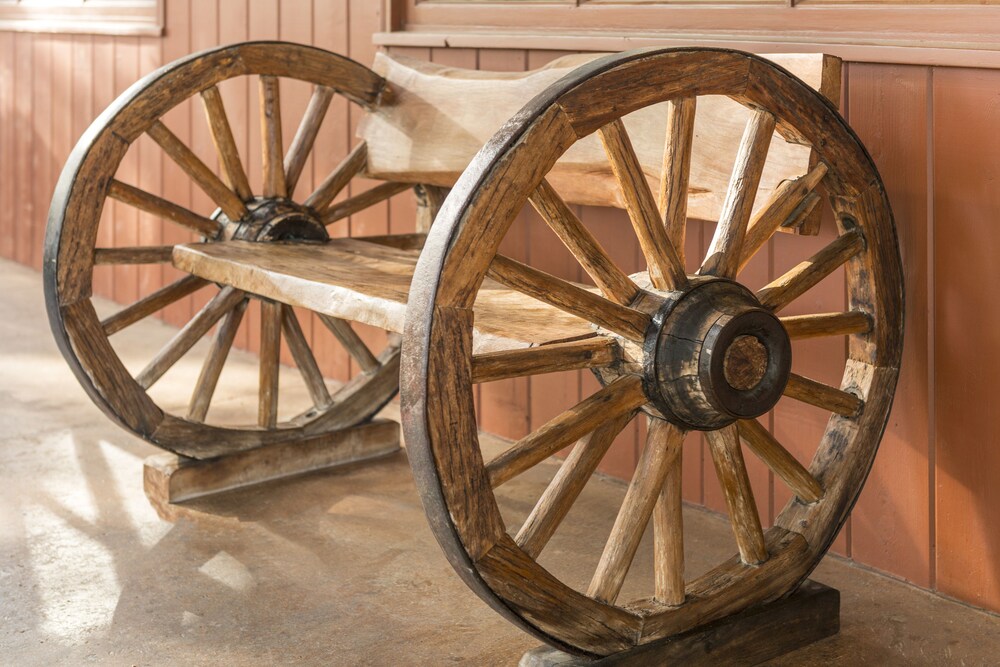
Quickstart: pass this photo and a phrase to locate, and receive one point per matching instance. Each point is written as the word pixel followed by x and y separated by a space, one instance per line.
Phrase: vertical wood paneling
pixel 888 109
pixel 930 511
pixel 966 245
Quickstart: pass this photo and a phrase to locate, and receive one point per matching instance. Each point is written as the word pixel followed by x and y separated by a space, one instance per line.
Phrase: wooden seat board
pixel 438 117
pixel 367 282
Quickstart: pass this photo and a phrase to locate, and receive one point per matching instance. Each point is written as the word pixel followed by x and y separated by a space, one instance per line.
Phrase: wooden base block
pixel 169 479
pixel 757 635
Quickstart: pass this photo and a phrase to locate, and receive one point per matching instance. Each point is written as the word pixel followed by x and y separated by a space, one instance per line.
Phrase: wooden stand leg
pixel 808 615
pixel 169 479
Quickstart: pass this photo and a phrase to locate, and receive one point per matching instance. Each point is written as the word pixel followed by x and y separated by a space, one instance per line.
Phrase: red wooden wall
pixel 931 511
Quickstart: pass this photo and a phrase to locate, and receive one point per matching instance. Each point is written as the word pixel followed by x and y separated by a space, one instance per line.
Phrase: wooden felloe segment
pixel 808 615
pixel 225 144
pixel 425 94
pixel 169 479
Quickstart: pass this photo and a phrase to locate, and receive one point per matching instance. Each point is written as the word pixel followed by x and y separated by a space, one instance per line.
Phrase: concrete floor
pixel 335 568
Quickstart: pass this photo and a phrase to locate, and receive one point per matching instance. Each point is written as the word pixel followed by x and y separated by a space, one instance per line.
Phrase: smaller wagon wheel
pixel 272 215
pixel 683 352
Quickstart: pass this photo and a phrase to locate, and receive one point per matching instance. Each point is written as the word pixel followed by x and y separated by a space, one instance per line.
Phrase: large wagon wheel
pixel 690 351
pixel 270 216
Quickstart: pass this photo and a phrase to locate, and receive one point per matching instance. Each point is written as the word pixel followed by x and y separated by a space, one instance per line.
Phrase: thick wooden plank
pixel 438 155
pixel 754 637
pixel 169 479
pixel 367 282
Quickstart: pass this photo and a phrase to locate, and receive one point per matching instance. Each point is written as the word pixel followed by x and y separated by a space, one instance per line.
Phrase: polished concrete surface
pixel 335 568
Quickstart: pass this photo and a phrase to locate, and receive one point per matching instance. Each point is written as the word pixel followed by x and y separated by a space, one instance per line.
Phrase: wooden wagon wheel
pixel 270 216
pixel 689 351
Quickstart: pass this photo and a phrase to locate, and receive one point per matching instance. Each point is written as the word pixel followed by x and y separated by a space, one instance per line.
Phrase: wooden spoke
pixel 270 351
pixel 159 254
pixel 339 178
pixel 823 396
pixel 827 324
pixel 559 496
pixel 184 340
pixel 304 359
pixel 362 201
pixel 192 165
pixel 148 305
pixel 793 284
pixel 167 210
pixel 663 444
pixel 305 136
pixel 673 193
pixel 569 297
pixel 351 341
pixel 614 282
pixel 778 459
pixel 204 389
pixel 668 536
pixel 225 144
pixel 790 200
pixel 724 253
pixel 587 353
pixel 271 142
pixel 665 269
pixel 621 397
pixel 732 474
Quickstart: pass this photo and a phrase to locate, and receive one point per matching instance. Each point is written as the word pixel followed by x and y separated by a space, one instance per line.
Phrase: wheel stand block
pixel 754 636
pixel 169 479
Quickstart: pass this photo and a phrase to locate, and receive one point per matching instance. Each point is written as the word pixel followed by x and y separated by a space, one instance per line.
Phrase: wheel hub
pixel 714 355
pixel 271 220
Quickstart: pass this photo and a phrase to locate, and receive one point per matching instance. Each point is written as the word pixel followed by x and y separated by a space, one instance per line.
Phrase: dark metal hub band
pixel 714 355
pixel 270 220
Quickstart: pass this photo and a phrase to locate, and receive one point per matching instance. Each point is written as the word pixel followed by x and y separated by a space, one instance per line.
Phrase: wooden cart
pixel 667 135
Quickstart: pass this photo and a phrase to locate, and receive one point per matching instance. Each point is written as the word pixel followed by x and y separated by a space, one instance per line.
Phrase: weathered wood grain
pixel 731 470
pixel 225 143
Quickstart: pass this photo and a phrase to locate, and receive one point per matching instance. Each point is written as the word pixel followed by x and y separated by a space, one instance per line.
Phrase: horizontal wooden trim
pixel 139 18
pixel 919 53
